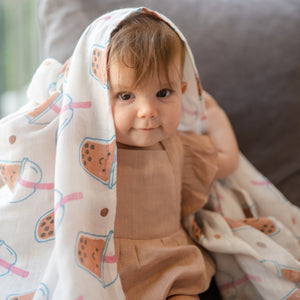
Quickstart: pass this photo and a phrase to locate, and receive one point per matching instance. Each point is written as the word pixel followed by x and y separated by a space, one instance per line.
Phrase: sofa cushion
pixel 248 57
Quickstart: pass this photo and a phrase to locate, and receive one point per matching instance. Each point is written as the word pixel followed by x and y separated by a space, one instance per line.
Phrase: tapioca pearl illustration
pixel 89 253
pixel 265 225
pixel 261 244
pixel 45 227
pixel 42 107
pixel 95 254
pixel 12 139
pixel 250 211
pixel 104 212
pixel 295 295
pixel 49 223
pixel 10 174
pixel 197 231
pixel 98 64
pixel 292 275
pixel 41 293
pixel 28 296
pixel 97 158
pixel 23 178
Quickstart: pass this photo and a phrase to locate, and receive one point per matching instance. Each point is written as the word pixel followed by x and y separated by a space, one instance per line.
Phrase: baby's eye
pixel 163 93
pixel 125 96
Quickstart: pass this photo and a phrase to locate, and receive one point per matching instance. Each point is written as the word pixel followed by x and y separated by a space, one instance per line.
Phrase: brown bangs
pixel 147 44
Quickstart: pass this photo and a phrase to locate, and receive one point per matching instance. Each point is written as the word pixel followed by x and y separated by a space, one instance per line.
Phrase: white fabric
pixel 58 164
pixel 253 233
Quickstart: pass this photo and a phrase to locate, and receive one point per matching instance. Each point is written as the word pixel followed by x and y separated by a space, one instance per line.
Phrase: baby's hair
pixel 146 43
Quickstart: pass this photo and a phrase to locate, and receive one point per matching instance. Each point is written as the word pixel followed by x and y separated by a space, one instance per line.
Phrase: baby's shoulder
pixel 197 145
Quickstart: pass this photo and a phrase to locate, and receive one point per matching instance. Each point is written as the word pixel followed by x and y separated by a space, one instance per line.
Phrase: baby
pixel 163 175
pixel 108 172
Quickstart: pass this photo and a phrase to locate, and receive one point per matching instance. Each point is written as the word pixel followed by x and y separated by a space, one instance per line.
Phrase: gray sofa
pixel 248 57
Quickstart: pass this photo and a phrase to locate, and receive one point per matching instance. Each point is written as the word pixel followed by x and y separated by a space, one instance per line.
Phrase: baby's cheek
pixel 172 126
pixel 176 119
pixel 120 124
pixel 122 128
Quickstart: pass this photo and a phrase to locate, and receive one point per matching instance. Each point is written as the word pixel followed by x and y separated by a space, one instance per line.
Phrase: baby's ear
pixel 183 86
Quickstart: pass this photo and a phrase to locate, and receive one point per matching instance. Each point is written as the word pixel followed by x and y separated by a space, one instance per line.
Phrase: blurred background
pixel 19 51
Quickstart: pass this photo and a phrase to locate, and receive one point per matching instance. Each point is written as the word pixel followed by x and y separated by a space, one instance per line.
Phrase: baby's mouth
pixel 147 129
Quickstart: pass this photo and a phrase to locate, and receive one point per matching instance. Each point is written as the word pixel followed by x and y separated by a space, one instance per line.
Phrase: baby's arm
pixel 221 132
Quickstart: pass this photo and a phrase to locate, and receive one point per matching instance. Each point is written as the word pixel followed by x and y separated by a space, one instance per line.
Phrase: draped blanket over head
pixel 58 164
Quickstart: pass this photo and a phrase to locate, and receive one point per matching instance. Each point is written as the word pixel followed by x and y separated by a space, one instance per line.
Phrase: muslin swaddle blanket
pixel 58 164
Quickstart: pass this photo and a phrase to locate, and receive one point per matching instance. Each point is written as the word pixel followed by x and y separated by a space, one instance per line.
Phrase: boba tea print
pixel 58 164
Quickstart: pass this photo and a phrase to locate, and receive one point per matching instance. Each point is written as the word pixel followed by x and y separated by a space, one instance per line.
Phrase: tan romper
pixel 155 189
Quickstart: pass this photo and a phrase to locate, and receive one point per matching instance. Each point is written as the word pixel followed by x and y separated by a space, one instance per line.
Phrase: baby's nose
pixel 147 109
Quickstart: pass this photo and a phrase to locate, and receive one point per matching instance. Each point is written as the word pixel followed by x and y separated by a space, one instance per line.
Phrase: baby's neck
pixel 157 146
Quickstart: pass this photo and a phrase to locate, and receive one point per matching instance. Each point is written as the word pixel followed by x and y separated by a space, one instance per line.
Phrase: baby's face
pixel 149 113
